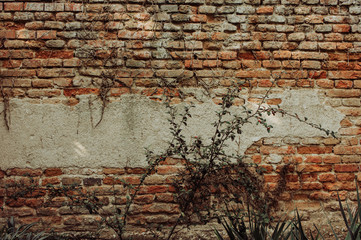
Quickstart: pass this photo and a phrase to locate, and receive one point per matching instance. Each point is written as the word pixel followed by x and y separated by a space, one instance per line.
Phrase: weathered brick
pixel 347 150
pixel 46 34
pixel 344 93
pixel 92 181
pixel 33 6
pixel 78 7
pixel 24 172
pixel 54 54
pixel 80 91
pixel 17 73
pixel 56 72
pixel 25 34
pixel 152 189
pixel 55 43
pixel 339 186
pixel 35 93
pixel 6 16
pixel 315 168
pixel 71 181
pixel 54 7
pixel 296 36
pixel 23 16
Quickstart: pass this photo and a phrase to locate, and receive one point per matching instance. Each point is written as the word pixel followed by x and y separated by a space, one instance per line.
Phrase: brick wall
pixel 55 52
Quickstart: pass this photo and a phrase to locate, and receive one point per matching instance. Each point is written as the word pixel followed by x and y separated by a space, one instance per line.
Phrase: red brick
pixel 12 202
pixel 343 45
pixel 71 181
pixel 311 64
pixel 51 172
pixel 347 150
pixel 193 64
pixel 343 84
pixel 289 74
pixel 265 83
pixel 42 83
pixel 164 197
pixel 111 181
pixel 24 172
pixel 339 186
pixel 265 10
pixel 46 34
pixel 7 34
pixel 34 93
pixel 291 177
pixel 350 131
pixel 119 91
pixel 92 181
pixel 310 55
pixel 132 180
pixel 164 170
pixel 344 74
pixel 345 177
pixel 34 202
pixel 341 28
pixel 198 18
pixel 331 159
pixel 314 150
pixel 13 6
pixel 346 168
pixel 137 170
pixel 144 199
pixel 311 186
pixel 18 212
pixel 271 178
pixel 11 64
pixel 113 171
pixel 266 168
pixel 320 196
pixel 327 177
pixel 55 54
pixel 315 168
pixel 51 180
pixel 152 189
pixel 309 177
pixel 293 186
pixel 313 159
pixel 317 74
pixel 253 74
pixel 4 54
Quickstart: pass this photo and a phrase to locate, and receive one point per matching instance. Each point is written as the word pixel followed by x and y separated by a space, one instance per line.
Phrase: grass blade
pixel 344 217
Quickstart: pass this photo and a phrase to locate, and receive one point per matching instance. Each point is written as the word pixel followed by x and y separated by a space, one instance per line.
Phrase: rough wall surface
pixel 66 66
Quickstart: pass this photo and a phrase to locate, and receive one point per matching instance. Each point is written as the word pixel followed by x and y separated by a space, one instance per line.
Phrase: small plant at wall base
pixel 23 232
pixel 257 229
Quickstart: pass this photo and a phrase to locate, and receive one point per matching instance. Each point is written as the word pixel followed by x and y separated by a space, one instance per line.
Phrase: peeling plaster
pixel 55 135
